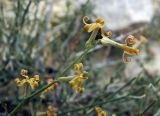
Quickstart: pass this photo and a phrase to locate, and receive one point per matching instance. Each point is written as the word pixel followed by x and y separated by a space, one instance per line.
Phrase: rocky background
pixel 44 36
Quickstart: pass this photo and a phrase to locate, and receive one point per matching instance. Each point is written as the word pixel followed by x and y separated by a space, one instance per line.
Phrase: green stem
pixel 26 99
pixel 25 13
pixel 116 92
pixel 106 40
pixel 99 104
pixel 146 109
pixel 128 49
pixel 92 105
pixel 66 79
pixel 74 62
pixel 89 45
pixel 90 42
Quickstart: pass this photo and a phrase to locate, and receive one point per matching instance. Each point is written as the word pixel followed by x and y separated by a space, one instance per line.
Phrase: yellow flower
pixel 108 34
pixel 51 111
pixel 103 37
pixel 90 27
pixel 128 47
pixel 131 40
pixel 78 68
pixel 20 82
pixel 24 72
pixel 33 82
pixel 77 82
pixel 99 24
pixel 98 31
pixel 100 111
pixel 42 95
pixel 130 50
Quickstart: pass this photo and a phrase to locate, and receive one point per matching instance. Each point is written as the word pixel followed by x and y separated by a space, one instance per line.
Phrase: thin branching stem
pixel 116 92
pixel 27 99
pixel 147 108
pixel 79 58
pixel 94 104
pixel 25 13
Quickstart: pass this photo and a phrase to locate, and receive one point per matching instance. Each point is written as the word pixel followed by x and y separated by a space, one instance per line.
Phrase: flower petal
pixel 131 40
pixel 130 50
pixel 91 27
pixel 99 20
pixel 85 19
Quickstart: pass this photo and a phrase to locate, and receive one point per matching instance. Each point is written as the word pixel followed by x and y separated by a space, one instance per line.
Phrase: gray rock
pixel 120 14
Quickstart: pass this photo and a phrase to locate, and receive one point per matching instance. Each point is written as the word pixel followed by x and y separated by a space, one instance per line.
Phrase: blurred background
pixel 45 36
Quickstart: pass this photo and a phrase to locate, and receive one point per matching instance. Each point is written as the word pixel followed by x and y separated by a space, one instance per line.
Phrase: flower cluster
pixel 51 111
pixel 130 47
pixel 79 78
pixel 33 81
pixel 104 38
pixel 98 25
pixel 100 111
pixel 42 95
pixel 90 27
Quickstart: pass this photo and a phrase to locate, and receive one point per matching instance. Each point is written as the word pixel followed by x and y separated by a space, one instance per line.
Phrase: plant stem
pixel 92 105
pixel 146 109
pixel 25 13
pixel 75 61
pixel 103 102
pixel 116 92
pixel 106 40
pixel 26 99
pixel 79 58
pixel 66 79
